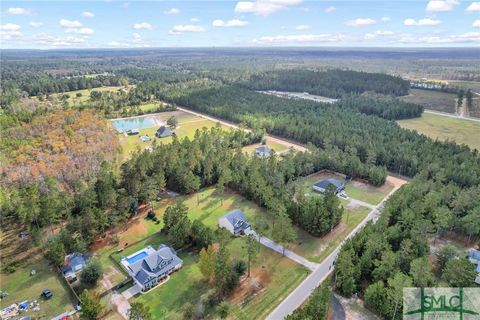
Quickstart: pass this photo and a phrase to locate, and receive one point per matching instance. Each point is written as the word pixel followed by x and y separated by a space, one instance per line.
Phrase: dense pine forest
pixel 331 83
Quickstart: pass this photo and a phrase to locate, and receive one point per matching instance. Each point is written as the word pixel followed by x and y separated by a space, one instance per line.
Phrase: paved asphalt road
pixel 301 293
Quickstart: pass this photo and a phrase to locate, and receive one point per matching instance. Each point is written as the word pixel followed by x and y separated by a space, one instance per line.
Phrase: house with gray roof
pixel 148 267
pixel 474 257
pixel 235 222
pixel 329 184
pixel 263 151
pixel 74 263
pixel 164 132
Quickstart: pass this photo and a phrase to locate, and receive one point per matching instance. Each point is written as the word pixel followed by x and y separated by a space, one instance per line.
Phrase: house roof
pixel 474 254
pixel 164 131
pixel 325 183
pixel 154 264
pixel 238 220
pixel 263 150
pixel 74 262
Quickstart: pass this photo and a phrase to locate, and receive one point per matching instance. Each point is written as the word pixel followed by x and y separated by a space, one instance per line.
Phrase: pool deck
pixel 127 261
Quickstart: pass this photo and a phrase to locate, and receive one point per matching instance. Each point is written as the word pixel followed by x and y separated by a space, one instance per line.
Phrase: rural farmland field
pixel 461 131
pixel 433 100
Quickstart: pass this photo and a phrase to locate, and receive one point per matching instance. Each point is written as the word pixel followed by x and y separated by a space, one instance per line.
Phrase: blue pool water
pixel 137 257
pixel 135 123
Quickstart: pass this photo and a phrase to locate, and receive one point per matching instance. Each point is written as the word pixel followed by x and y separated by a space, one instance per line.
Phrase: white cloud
pixel 360 22
pixel 10 27
pixel 330 9
pixel 300 39
pixel 114 44
pixel 468 37
pixel 18 11
pixel 378 33
pixel 44 39
pixel 182 28
pixel 142 25
pixel 172 11
pixel 194 20
pixel 36 24
pixel 79 30
pixel 264 7
pixel 136 37
pixel 88 14
pixel 385 19
pixel 476 24
pixel 235 23
pixel 421 22
pixel 64 23
pixel 474 6
pixel 303 27
pixel 441 5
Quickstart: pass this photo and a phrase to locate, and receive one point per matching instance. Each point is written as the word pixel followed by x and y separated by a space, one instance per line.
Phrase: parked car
pixel 47 294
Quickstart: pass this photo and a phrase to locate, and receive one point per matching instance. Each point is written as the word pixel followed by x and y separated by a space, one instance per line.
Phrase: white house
pixel 235 222
pixel 474 257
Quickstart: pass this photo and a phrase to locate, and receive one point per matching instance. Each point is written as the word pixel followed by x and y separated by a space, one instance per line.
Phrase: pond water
pixel 123 125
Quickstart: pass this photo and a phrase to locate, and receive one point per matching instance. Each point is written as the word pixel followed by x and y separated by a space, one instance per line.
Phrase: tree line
pixel 333 83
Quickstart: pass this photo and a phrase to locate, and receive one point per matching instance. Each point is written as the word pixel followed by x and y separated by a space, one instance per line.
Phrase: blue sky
pixel 129 24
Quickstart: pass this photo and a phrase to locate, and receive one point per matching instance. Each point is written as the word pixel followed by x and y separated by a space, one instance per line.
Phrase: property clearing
pixel 462 131
pixel 433 100
pixel 30 277
pixel 188 124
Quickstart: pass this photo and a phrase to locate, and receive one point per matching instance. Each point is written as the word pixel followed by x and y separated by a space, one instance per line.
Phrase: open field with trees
pixel 462 131
pixel 26 273
pixel 187 125
pixel 433 100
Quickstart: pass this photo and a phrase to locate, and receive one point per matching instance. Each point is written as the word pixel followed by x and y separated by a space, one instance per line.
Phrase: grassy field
pixel 187 125
pixel 354 189
pixel 446 128
pixel 21 285
pixel 434 100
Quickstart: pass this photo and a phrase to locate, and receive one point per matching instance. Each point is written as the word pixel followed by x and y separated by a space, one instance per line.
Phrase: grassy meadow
pixel 462 131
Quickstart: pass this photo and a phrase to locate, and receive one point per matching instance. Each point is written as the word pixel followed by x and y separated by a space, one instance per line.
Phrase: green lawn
pixel 354 189
pixel 22 286
pixel 274 145
pixel 187 125
pixel 277 275
pixel 446 128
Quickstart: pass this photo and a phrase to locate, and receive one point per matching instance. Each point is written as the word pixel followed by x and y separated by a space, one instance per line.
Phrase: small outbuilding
pixel 164 132
pixel 263 151
pixel 474 257
pixel 235 222
pixel 324 185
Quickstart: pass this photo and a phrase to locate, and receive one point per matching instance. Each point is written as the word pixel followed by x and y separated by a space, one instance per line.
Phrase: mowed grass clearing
pixel 187 125
pixel 462 131
pixel 354 189
pixel 21 285
pixel 272 144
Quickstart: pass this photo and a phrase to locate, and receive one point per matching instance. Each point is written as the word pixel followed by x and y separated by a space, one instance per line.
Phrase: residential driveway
pixel 338 310
pixel 132 291
pixel 303 291
pixel 120 304
pixel 289 254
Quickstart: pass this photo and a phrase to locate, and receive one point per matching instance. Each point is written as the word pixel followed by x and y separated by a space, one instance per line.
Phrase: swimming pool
pixel 123 125
pixel 138 256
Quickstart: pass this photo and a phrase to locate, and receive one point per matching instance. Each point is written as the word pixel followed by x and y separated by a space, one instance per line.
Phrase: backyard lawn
pixel 446 128
pixel 354 189
pixel 274 145
pixel 187 125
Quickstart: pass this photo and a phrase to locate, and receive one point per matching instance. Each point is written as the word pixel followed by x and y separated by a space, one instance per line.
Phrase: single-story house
pixel 235 222
pixel 164 132
pixel 148 267
pixel 263 151
pixel 133 131
pixel 74 263
pixel 474 257
pixel 323 185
